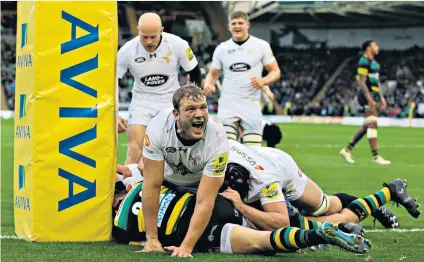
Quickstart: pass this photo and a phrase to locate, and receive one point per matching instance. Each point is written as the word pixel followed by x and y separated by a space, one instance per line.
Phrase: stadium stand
pixel 306 86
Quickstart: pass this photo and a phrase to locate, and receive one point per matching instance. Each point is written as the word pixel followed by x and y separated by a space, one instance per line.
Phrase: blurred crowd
pixel 304 72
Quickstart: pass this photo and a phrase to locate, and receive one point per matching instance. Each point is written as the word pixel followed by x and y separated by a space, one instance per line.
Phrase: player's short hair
pixel 189 91
pixel 238 14
pixel 366 44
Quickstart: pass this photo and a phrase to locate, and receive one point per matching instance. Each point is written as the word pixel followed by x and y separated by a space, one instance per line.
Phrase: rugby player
pixel 184 147
pixel 153 58
pixel 242 59
pixel 268 172
pixel 369 97
pixel 226 231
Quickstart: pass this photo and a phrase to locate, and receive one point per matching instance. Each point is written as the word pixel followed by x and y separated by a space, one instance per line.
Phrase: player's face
pixel 150 37
pixel 374 48
pixel 239 29
pixel 192 118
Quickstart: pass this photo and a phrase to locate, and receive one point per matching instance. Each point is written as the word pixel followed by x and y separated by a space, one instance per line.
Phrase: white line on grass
pixel 9 237
pixel 395 230
pixel 411 230
pixel 343 145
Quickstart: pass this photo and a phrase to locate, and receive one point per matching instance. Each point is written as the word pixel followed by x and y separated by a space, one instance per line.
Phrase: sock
pixel 290 239
pixel 345 199
pixel 358 135
pixel 374 153
pixel 363 207
pixel 303 223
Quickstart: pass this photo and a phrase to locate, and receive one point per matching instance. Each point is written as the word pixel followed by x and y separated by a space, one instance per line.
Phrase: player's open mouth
pixel 197 125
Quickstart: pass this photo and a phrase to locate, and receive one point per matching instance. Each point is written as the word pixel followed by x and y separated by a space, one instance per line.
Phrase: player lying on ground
pixel 268 172
pixel 369 97
pixel 224 232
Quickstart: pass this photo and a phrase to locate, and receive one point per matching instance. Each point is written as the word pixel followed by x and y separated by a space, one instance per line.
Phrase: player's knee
pixel 323 206
pixel 252 139
pixel 372 132
pixel 232 132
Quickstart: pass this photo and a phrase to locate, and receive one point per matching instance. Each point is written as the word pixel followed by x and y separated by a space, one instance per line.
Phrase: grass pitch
pixel 315 148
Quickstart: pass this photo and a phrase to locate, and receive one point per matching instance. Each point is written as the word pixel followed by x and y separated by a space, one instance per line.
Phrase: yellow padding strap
pixel 372 133
pixel 375 88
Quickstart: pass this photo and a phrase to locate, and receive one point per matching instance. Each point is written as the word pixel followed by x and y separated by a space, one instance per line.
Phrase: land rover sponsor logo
pixel 239 67
pixel 154 80
pixel 140 59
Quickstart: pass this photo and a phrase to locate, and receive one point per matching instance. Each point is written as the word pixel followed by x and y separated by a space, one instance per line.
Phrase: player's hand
pixel 152 245
pixel 257 82
pixel 383 104
pixel 122 124
pixel 270 94
pixel 124 171
pixel 178 251
pixel 209 89
pixel 233 196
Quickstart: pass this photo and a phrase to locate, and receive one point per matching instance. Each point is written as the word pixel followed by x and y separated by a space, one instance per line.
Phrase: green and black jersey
pixel 370 69
pixel 172 206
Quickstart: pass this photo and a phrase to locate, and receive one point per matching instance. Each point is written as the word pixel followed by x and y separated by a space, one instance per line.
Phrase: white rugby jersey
pixel 156 73
pixel 264 183
pixel 184 165
pixel 240 63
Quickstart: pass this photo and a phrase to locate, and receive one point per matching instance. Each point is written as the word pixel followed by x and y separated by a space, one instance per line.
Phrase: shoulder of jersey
pixel 131 43
pixel 172 39
pixel 215 125
pixel 161 119
pixel 363 60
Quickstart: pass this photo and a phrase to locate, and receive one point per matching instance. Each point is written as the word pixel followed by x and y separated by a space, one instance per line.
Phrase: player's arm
pixel 275 215
pixel 153 177
pixel 205 201
pixel 152 164
pixel 121 69
pixel 271 65
pixel 363 69
pixel 274 73
pixel 213 74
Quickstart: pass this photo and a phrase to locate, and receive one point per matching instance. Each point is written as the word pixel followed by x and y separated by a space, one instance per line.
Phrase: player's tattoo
pixel 363 85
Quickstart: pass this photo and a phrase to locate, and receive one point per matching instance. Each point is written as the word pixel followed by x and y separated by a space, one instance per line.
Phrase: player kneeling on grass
pixel 226 231
pixel 268 172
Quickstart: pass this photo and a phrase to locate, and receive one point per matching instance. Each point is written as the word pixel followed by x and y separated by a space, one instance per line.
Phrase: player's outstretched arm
pixel 153 173
pixel 205 200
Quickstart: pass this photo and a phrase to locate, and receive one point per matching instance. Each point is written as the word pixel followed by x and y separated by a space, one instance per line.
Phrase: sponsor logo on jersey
pixel 182 149
pixel 154 80
pixel 189 54
pixel 167 57
pixel 195 160
pixel 140 59
pixel 164 203
pixel 244 155
pixel 271 191
pixel 219 164
pixel 239 67
pixel 182 169
pixel 170 150
pixel 146 140
pixel 231 51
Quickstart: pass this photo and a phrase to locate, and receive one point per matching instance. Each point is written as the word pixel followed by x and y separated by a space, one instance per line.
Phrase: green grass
pixel 315 148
